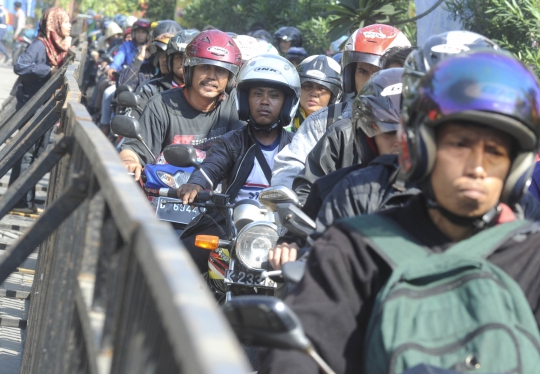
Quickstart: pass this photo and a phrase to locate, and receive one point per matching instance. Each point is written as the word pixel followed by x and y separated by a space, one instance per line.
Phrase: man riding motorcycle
pixel 152 60
pixel 268 94
pixel 361 56
pixel 175 66
pixel 472 150
pixel 199 113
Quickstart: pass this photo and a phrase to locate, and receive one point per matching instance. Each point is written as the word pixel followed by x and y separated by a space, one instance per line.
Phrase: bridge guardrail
pixel 114 291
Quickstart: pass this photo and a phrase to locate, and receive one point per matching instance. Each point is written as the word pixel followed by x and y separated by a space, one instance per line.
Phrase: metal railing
pixel 114 291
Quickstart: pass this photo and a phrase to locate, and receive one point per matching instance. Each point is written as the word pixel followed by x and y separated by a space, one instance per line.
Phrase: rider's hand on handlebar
pixel 134 167
pixel 188 192
pixel 281 254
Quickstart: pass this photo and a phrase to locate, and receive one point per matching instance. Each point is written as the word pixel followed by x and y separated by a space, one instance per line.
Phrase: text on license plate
pixel 173 210
pixel 242 277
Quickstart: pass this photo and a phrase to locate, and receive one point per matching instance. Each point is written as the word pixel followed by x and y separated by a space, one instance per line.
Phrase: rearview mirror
pixel 126 126
pixel 181 155
pixel 265 321
pixel 128 99
pixel 269 322
pixel 293 271
pixel 271 196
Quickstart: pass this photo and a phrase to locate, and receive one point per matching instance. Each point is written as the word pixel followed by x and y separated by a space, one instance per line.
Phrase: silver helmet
pixel 269 71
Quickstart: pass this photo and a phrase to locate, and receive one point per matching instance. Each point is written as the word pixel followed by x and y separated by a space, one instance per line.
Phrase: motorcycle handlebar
pixel 203 196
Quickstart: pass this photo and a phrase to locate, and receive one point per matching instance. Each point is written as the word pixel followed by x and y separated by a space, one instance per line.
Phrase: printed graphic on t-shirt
pixel 256 180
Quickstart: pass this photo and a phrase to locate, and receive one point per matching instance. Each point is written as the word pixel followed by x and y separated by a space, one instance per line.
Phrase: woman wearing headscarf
pixel 34 67
pixel 45 55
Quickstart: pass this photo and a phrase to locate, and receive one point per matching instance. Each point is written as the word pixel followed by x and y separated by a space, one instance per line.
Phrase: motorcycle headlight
pixel 253 243
pixel 181 177
pixel 166 178
pixel 173 181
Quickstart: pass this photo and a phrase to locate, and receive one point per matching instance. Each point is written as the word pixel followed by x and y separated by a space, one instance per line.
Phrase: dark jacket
pixel 34 70
pixel 368 190
pixel 335 298
pixel 136 73
pixel 230 160
pixel 150 88
pixel 342 145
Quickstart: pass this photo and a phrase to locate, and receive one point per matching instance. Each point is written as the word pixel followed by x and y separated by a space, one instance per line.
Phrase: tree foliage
pixel 238 15
pixel 514 24
pixel 160 9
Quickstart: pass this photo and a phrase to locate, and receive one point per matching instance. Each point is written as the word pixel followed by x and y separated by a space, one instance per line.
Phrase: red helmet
pixel 212 47
pixel 367 45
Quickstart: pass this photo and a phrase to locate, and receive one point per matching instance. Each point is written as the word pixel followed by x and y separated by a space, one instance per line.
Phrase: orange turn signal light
pixel 209 242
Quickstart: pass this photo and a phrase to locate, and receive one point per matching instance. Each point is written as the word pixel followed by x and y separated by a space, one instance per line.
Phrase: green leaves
pixel 351 15
pixel 514 24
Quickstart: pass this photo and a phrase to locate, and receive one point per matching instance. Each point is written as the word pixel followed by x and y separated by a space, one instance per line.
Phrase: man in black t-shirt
pixel 469 138
pixel 197 114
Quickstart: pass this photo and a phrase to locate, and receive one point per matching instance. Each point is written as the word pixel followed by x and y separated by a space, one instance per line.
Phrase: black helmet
pixel 322 70
pixel 376 109
pixel 289 34
pixel 165 27
pixel 263 35
pixel 178 44
pixel 296 54
pixel 435 49
pixel 485 87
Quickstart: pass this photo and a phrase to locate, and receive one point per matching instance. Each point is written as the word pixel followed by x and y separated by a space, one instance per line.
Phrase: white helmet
pixel 251 47
pixel 269 71
pixel 130 21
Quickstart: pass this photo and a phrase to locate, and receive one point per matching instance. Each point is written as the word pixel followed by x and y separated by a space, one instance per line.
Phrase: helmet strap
pixel 268 129
pixel 478 223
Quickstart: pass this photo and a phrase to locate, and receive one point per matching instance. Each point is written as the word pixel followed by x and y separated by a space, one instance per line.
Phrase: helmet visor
pixel 499 85
pixel 194 61
pixel 375 116
pixel 350 57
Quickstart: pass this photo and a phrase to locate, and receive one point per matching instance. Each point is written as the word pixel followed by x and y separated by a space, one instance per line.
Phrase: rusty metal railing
pixel 114 290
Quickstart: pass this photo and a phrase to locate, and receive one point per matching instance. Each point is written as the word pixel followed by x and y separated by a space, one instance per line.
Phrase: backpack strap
pixel 334 111
pixel 388 239
pixel 488 241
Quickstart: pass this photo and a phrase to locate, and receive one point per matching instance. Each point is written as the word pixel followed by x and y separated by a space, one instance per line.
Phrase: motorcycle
pixel 287 209
pixel 159 181
pixel 240 255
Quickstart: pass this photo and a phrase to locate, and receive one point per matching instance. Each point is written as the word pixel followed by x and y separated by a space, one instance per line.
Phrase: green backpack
pixel 453 310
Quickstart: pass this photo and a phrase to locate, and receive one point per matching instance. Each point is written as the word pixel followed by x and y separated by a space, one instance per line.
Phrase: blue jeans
pixel 2 47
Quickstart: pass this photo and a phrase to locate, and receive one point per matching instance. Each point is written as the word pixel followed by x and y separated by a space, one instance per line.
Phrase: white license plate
pixel 245 277
pixel 172 210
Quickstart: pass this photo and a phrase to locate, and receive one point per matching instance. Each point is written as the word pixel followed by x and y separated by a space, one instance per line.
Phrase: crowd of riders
pixel 411 160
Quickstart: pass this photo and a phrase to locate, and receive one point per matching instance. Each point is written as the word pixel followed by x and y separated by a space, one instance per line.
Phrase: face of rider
pixel 178 65
pixel 470 169
pixel 387 143
pixel 140 36
pixel 314 97
pixel 162 58
pixel 363 73
pixel 209 81
pixel 265 104
pixel 284 45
